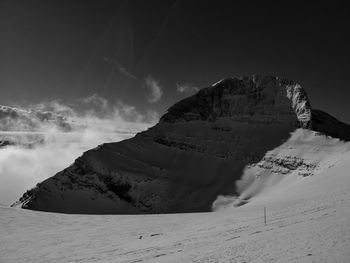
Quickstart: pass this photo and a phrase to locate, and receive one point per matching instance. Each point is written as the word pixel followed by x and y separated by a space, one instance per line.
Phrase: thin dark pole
pixel 265 215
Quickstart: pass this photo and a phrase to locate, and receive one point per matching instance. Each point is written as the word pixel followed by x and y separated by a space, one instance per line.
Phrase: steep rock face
pixel 255 100
pixel 198 150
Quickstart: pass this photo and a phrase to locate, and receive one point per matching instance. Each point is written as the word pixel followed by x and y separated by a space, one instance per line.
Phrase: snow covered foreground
pixel 308 220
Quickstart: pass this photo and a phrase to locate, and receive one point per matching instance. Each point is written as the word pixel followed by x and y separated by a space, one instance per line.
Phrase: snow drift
pixel 214 143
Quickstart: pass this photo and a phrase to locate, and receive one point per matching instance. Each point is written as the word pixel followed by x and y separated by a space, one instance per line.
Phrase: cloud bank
pixel 40 154
pixel 153 89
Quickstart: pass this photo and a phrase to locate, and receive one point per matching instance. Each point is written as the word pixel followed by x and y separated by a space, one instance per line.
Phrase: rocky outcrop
pixel 285 164
pixel 198 150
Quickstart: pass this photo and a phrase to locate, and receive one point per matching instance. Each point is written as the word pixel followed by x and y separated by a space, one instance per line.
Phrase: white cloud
pixel 21 168
pixel 152 116
pixel 153 89
pixel 95 100
pixel 186 88
pixel 54 106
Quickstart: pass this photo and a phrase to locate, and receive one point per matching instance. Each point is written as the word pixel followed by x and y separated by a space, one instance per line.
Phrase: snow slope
pixel 308 220
pixel 198 151
pixel 306 153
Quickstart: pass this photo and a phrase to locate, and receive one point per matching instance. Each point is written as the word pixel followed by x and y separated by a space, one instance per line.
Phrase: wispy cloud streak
pixel 121 68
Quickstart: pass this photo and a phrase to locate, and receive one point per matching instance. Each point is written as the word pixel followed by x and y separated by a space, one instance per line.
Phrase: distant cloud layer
pixel 93 120
pixel 186 88
pixel 153 89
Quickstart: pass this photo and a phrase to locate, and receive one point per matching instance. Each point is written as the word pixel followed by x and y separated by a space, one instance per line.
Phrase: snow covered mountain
pixel 236 137
pixel 24 127
pixel 15 119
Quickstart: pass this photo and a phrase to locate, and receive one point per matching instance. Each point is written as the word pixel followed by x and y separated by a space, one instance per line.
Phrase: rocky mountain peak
pixel 253 99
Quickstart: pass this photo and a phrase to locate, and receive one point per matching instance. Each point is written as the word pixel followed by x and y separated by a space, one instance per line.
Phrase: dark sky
pixel 63 49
